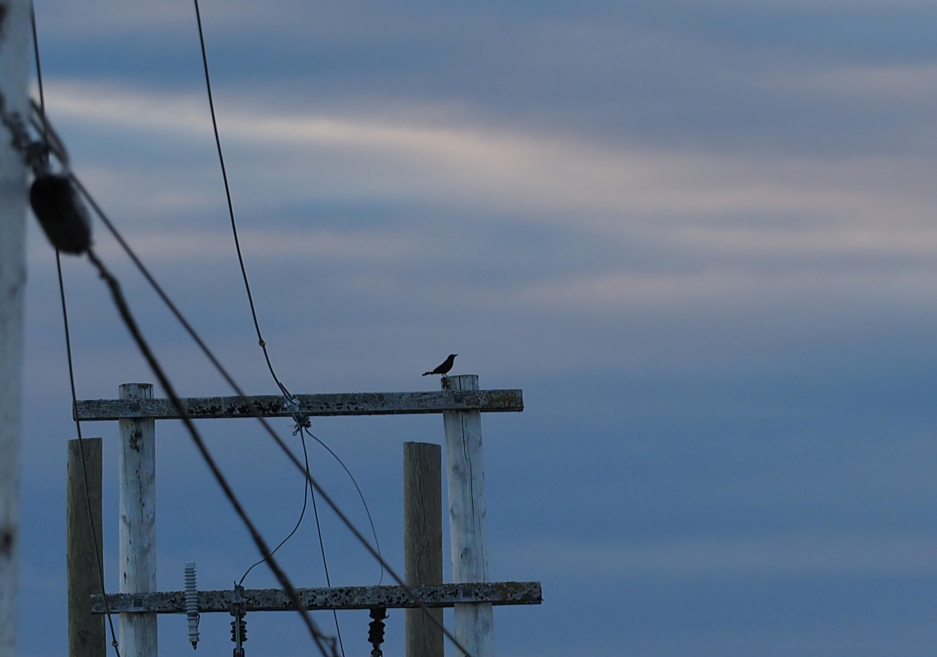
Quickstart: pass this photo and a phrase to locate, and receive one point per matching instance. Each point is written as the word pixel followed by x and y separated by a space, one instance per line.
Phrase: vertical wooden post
pixel 137 505
pixel 14 55
pixel 422 541
pixel 86 636
pixel 468 531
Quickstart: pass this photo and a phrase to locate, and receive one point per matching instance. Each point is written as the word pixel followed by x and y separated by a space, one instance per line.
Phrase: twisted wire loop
pixel 301 420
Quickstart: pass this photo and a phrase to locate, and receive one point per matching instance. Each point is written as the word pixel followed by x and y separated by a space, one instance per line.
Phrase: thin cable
pixel 255 412
pixel 328 581
pixel 260 339
pixel 227 191
pixel 98 556
pixel 262 546
pixel 299 521
pixel 354 481
pixel 126 315
pixel 325 563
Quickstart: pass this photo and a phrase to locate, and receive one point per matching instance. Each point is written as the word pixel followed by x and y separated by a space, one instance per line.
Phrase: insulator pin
pixel 376 630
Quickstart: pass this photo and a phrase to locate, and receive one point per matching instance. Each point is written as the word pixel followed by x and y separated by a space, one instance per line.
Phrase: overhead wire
pixel 227 191
pixel 98 553
pixel 295 527
pixel 318 637
pixel 250 299
pixel 127 317
pixel 302 423
pixel 256 413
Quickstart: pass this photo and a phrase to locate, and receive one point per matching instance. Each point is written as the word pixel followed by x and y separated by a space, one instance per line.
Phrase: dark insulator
pixel 61 213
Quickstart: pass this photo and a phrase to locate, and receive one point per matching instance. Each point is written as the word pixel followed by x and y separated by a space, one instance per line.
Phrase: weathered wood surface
pixel 422 543
pixel 137 527
pixel 86 636
pixel 468 528
pixel 347 597
pixel 352 403
pixel 15 67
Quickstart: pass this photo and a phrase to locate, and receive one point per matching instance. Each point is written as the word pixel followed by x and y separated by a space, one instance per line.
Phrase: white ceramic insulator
pixel 191 602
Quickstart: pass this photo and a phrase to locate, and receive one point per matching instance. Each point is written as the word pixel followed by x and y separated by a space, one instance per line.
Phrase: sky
pixel 698 236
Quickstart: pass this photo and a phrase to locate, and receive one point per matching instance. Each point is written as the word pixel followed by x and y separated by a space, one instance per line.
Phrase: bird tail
pixel 426 373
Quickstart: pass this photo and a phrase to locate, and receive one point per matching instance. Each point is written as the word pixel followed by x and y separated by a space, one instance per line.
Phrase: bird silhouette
pixel 444 367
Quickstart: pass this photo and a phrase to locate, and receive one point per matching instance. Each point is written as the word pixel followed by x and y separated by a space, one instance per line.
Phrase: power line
pixel 300 422
pixel 126 315
pixel 17 127
pixel 227 191
pixel 295 527
pixel 255 412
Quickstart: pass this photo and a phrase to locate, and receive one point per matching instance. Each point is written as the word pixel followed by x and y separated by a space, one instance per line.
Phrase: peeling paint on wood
pixel 360 403
pixel 347 597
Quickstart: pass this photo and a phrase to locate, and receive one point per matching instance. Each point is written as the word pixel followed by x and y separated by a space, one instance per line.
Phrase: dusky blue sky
pixel 698 236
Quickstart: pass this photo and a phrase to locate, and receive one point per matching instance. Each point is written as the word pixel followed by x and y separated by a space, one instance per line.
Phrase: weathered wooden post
pixel 137 548
pixel 422 541
pixel 84 533
pixel 14 66
pixel 468 530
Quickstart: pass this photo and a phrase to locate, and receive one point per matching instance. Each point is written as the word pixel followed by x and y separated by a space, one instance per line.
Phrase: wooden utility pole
pixel 474 622
pixel 14 66
pixel 84 538
pixel 422 541
pixel 137 548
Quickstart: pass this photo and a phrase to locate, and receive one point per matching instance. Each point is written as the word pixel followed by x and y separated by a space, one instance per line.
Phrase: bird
pixel 444 367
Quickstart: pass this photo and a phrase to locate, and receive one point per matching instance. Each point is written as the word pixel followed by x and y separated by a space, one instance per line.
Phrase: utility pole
pixel 14 66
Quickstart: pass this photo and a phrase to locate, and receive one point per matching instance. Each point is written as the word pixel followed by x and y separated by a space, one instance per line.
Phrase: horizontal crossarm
pixel 347 597
pixel 351 403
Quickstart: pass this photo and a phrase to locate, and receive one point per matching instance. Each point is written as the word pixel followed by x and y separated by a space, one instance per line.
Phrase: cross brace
pixel 339 598
pixel 351 403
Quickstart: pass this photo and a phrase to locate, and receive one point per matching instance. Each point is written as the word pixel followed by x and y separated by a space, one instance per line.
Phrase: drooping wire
pixel 98 556
pixel 302 423
pixel 315 510
pixel 354 481
pixel 306 432
pixel 295 527
pixel 126 315
pixel 227 191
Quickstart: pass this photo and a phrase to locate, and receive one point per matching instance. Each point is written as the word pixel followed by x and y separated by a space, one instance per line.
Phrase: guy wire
pixel 98 556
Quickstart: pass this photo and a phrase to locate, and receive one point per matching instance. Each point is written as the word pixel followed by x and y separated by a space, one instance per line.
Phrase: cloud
pixel 743 557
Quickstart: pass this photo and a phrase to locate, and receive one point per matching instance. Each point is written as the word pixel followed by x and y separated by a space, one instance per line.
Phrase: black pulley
pixel 61 213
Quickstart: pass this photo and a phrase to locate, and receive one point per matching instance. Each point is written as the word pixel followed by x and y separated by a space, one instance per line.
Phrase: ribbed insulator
pixel 191 602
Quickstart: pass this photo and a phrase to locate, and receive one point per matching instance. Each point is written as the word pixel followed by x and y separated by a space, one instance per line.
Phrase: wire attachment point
pixel 302 421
